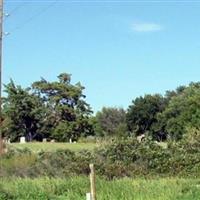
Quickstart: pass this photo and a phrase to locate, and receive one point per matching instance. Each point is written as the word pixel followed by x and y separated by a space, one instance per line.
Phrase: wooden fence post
pixel 92 182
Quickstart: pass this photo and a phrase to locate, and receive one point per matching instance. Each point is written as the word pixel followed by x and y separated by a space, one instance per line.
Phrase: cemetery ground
pixel 48 146
pixel 123 189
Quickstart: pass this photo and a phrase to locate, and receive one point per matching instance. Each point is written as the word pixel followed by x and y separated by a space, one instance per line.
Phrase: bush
pixel 114 159
pixel 17 164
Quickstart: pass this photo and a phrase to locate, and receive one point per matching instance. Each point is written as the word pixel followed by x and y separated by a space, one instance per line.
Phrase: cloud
pixel 146 27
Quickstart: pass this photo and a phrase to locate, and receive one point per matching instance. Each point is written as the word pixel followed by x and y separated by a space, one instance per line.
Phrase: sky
pixel 118 50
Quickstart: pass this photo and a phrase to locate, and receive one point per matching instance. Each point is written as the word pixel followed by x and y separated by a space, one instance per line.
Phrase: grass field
pixel 38 146
pixel 48 146
pixel 76 188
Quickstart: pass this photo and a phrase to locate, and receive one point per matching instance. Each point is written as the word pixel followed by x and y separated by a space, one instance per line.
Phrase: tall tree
pixel 23 113
pixel 68 111
pixel 141 115
pixel 110 122
pixel 182 112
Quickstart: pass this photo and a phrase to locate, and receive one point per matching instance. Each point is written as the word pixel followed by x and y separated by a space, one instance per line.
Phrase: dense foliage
pixel 23 113
pixel 182 112
pixel 115 159
pixel 110 122
pixel 54 110
pixel 58 110
pixel 141 115
pixel 166 117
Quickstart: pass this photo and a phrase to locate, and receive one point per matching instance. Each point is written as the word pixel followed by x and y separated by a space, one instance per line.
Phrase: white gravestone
pixel 88 196
pixel 22 140
pixel 44 140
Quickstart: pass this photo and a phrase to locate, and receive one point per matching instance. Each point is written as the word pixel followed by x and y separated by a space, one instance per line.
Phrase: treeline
pixel 159 117
pixel 58 110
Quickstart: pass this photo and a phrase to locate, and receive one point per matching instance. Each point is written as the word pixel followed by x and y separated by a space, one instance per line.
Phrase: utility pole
pixel 1 41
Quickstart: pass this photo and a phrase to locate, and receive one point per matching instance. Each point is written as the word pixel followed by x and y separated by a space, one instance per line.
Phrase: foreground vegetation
pixel 126 169
pixel 76 188
pixel 115 159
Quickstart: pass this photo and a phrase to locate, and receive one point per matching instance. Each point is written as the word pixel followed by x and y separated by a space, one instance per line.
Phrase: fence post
pixel 92 182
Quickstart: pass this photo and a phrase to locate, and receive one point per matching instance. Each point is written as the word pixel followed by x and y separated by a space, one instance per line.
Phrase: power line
pixel 42 11
pixel 16 8
pixel 107 1
pixel 9 14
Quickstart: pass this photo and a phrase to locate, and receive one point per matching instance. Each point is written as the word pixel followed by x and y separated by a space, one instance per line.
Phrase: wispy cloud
pixel 146 27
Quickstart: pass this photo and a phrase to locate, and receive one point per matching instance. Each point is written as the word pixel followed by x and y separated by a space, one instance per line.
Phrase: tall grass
pixel 123 189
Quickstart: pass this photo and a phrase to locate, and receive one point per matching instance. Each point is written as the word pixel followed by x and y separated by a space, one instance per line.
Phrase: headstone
pixel 44 140
pixel 22 140
pixel 88 196
pixel 70 140
pixel 52 141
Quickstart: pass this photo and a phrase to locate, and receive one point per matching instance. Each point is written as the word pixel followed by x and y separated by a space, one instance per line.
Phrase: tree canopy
pixel 141 115
pixel 58 110
pixel 110 121
pixel 53 109
pixel 23 113
pixel 182 112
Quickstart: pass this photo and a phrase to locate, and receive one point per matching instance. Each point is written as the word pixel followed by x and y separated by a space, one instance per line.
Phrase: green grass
pixel 39 146
pixel 123 189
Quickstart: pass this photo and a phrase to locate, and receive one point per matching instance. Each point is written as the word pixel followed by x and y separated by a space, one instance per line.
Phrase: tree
pixel 68 111
pixel 141 115
pixel 110 122
pixel 23 113
pixel 170 94
pixel 182 112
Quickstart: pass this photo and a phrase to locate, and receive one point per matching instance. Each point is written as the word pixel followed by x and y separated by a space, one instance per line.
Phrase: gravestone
pixel 44 140
pixel 88 196
pixel 22 140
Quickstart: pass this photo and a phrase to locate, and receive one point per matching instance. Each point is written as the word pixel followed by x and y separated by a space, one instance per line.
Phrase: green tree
pixel 182 112
pixel 141 115
pixel 110 122
pixel 68 111
pixel 23 113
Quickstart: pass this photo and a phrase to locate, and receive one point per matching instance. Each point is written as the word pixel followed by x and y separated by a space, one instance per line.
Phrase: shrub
pixel 116 158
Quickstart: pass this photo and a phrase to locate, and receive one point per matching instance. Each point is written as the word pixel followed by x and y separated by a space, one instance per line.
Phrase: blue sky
pixel 117 49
